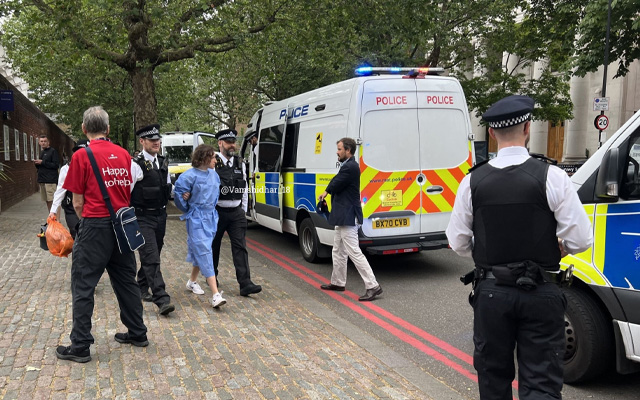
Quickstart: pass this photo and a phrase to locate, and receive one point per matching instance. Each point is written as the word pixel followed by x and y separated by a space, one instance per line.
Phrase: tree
pixel 624 37
pixel 138 36
pixel 202 76
pixel 486 44
pixel 541 35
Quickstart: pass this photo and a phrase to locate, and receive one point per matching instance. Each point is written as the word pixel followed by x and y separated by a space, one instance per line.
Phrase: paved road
pixel 423 313
pixel 279 344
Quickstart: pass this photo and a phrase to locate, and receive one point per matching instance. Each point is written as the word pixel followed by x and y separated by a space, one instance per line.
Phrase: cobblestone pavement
pixel 268 346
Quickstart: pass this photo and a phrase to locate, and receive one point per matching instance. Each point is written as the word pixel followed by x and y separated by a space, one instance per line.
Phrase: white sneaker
pixel 217 300
pixel 194 287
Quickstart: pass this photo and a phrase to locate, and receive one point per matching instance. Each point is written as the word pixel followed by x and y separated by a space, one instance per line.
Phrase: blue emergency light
pixel 366 71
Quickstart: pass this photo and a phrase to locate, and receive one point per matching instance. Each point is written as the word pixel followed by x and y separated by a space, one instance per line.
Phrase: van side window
pixel 290 146
pixel 269 149
pixel 630 188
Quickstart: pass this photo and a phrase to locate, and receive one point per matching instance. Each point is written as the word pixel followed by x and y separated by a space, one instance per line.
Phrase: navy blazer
pixel 344 189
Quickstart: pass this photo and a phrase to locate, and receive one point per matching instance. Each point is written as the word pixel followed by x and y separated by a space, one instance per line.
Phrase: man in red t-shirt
pixel 95 248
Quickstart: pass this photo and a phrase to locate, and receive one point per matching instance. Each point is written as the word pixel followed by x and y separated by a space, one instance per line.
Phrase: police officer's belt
pixel 228 209
pixel 547 276
pixel 150 211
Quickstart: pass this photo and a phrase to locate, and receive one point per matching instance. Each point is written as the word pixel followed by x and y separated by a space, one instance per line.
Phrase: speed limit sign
pixel 601 122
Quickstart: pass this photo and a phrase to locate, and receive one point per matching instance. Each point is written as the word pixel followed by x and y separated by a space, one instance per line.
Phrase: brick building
pixel 19 131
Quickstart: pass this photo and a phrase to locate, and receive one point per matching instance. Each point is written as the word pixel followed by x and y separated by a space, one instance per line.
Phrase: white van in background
pixel 177 147
pixel 414 147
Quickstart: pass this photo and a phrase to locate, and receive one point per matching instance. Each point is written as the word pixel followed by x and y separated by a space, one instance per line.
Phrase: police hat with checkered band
pixel 82 143
pixel 251 135
pixel 227 134
pixel 510 111
pixel 149 132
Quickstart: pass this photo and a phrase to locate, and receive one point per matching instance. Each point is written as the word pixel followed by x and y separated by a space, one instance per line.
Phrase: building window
pixel 25 146
pixel 7 152
pixel 32 148
pixel 17 138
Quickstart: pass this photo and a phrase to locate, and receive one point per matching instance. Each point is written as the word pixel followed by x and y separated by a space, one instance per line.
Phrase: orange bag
pixel 59 239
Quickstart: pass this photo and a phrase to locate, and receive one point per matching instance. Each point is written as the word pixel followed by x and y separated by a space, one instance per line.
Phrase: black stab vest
pixel 67 203
pixel 512 221
pixel 233 179
pixel 152 191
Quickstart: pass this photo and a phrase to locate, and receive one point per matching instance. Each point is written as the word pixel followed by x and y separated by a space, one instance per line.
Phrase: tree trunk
pixel 145 105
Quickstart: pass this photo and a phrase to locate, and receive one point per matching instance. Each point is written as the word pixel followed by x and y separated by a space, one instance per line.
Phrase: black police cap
pixel 81 144
pixel 322 209
pixel 149 132
pixel 227 134
pixel 510 111
pixel 250 135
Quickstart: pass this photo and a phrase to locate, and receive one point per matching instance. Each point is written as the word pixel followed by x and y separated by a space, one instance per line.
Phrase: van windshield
pixel 178 154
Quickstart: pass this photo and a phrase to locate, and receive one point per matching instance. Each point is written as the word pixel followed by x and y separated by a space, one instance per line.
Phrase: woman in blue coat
pixel 196 194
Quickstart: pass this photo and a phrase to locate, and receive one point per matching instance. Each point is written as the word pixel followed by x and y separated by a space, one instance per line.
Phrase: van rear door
pixel 414 154
pixel 445 152
pixel 390 158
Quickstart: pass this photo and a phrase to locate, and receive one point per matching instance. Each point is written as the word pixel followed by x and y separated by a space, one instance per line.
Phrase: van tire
pixel 589 338
pixel 308 241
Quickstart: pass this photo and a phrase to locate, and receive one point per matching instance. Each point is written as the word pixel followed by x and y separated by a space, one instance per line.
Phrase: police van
pixel 603 303
pixel 177 148
pixel 414 141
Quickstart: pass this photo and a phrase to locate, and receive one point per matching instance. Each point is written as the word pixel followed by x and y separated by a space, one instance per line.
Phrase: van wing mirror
pixel 607 181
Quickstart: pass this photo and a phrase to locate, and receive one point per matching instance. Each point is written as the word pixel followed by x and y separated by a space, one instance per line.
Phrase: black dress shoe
pixel 147 297
pixel 371 294
pixel 166 308
pixel 251 288
pixel 80 356
pixel 125 338
pixel 331 286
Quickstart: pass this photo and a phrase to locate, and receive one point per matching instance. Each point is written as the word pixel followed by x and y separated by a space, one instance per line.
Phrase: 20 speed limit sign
pixel 601 122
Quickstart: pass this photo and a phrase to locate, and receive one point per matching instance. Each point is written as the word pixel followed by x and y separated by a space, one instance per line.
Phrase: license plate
pixel 390 223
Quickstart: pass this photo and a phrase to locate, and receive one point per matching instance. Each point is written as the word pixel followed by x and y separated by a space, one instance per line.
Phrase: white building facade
pixel 574 140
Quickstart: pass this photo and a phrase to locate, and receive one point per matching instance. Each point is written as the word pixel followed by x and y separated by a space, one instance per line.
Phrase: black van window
pixel 630 188
pixel 291 146
pixel 269 149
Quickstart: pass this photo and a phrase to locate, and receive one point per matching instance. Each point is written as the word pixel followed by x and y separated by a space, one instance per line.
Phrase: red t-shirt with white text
pixel 114 164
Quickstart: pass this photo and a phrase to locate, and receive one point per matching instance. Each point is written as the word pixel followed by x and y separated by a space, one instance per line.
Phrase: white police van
pixel 177 147
pixel 414 141
pixel 603 314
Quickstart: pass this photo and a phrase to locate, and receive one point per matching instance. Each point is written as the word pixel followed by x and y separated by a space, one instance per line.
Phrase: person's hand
pixel 323 195
pixel 52 215
pixel 38 162
pixel 563 251
pixel 185 196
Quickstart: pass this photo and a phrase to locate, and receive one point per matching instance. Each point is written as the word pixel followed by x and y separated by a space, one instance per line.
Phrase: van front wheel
pixel 589 338
pixel 308 241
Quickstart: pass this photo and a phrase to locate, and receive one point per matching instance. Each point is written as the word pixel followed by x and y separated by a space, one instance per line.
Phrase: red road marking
pixel 296 268
pixel 280 258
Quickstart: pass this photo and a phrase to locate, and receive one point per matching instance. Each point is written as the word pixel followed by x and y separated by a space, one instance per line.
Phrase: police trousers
pixel 94 250
pixel 532 322
pixel 153 228
pixel 234 222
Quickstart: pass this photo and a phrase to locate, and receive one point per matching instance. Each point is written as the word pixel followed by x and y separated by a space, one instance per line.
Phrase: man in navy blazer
pixel 346 216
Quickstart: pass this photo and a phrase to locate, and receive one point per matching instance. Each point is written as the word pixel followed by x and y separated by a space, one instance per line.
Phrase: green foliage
pixel 95 46
pixel 214 62
pixel 624 39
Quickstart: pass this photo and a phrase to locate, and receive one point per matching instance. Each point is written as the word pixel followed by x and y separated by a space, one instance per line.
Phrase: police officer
pixel 252 138
pixel 232 206
pixel 150 197
pixel 64 198
pixel 517 216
